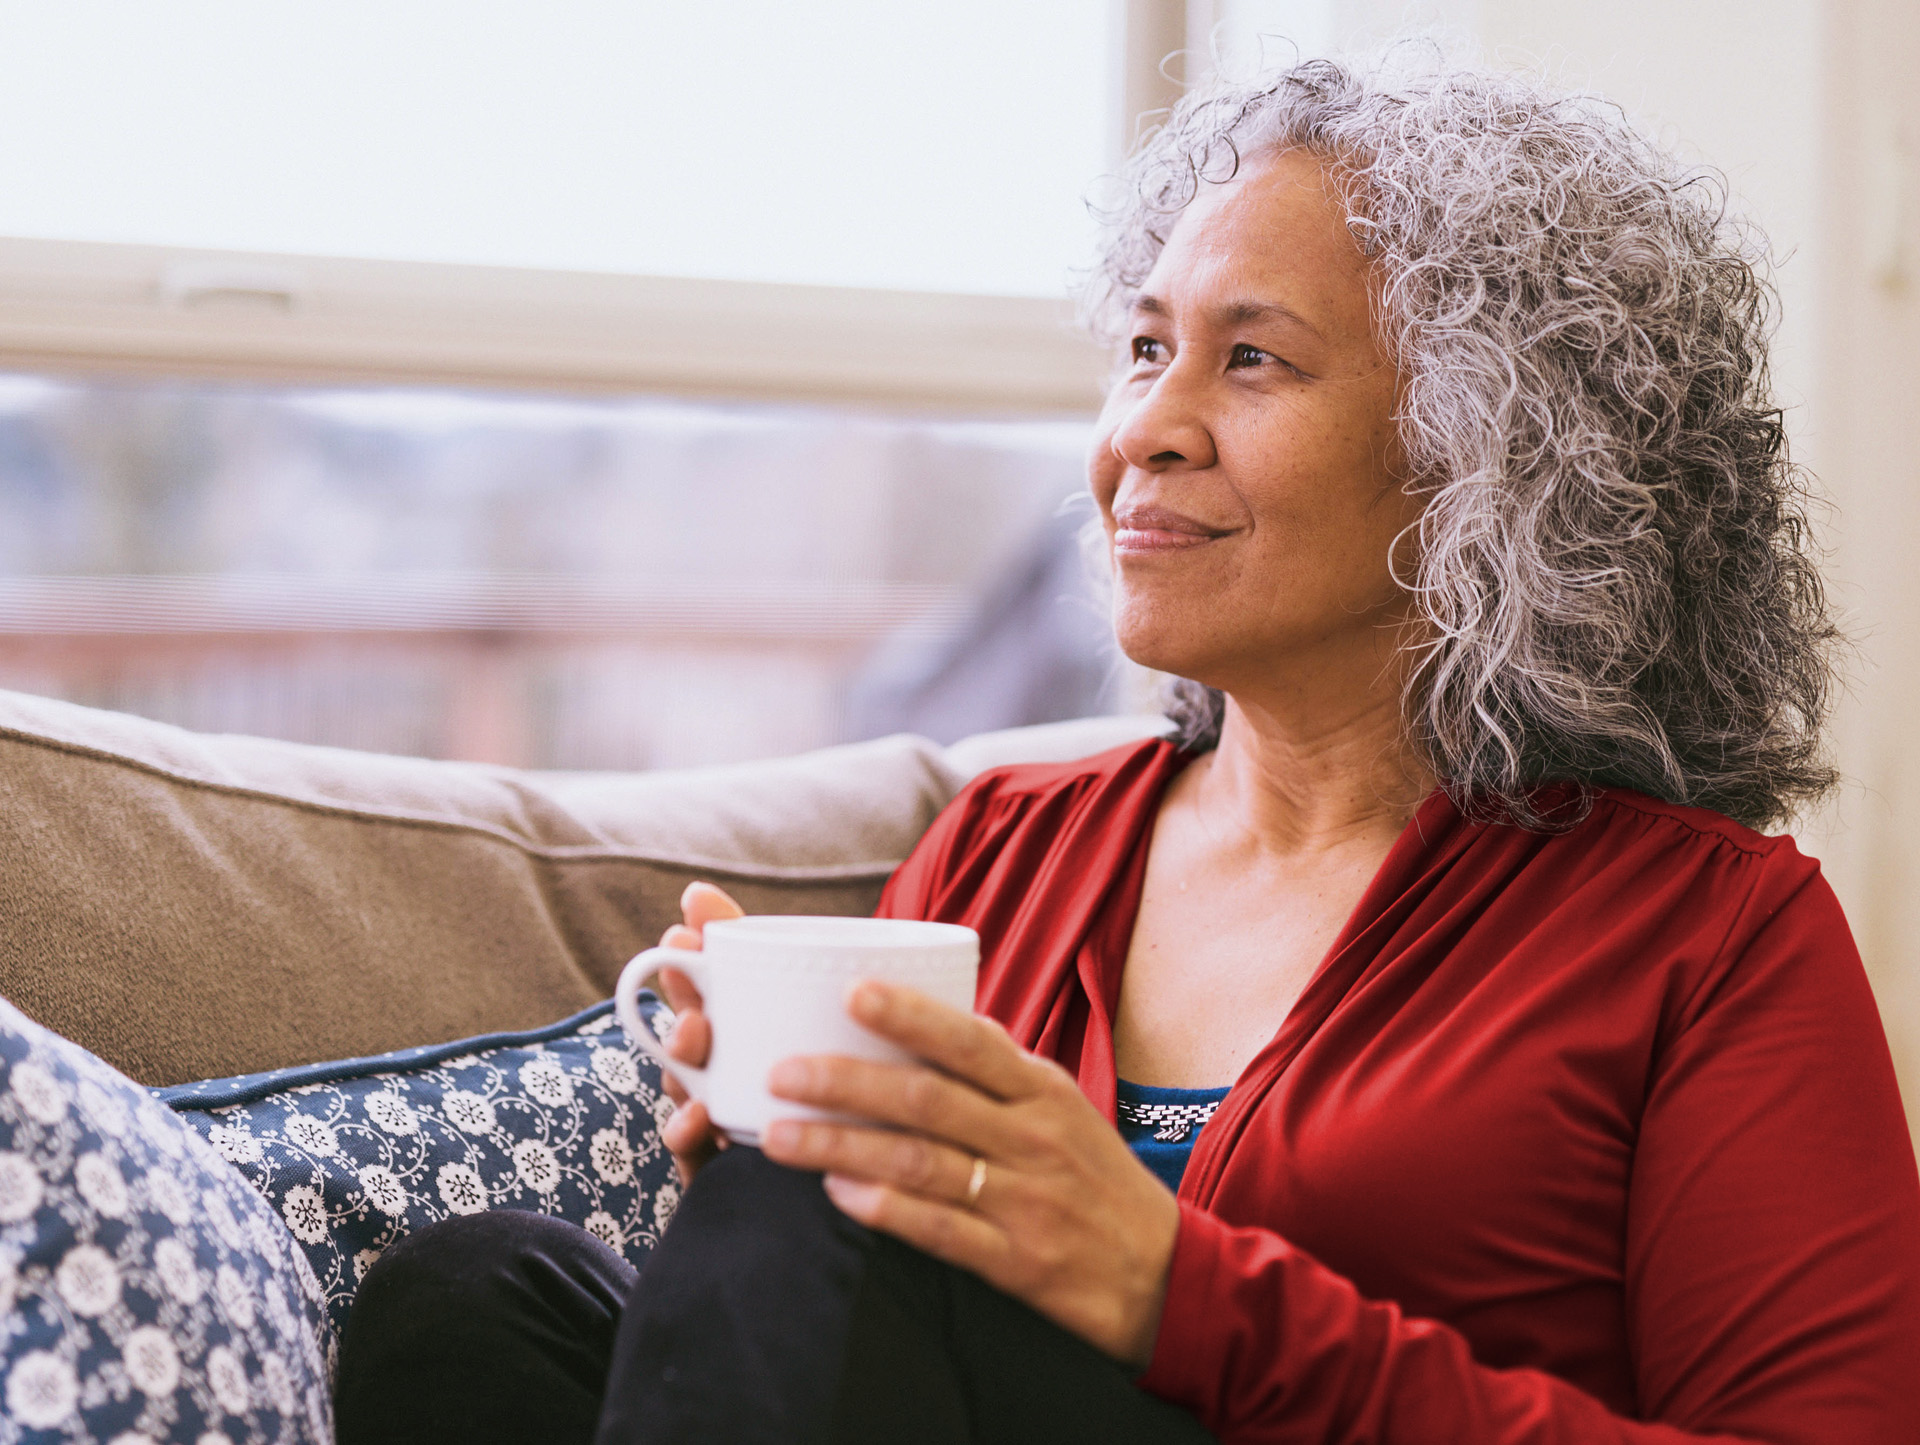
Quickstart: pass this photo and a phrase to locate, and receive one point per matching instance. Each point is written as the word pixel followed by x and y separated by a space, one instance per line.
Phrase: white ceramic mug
pixel 773 987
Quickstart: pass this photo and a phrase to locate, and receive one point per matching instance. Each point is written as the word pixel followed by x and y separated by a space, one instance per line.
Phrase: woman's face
pixel 1246 466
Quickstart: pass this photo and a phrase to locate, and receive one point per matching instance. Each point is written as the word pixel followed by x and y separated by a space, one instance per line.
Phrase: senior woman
pixel 1485 1075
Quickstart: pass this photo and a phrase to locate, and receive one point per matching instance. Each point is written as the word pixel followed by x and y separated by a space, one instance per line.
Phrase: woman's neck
pixel 1303 781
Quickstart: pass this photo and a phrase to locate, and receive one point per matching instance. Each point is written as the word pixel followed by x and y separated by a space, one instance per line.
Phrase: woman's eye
pixel 1146 349
pixel 1250 356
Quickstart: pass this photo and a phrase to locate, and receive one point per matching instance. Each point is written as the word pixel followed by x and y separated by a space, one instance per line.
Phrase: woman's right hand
pixel 689 1134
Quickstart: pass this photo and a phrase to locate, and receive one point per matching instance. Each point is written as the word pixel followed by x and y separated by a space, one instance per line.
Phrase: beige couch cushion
pixel 189 906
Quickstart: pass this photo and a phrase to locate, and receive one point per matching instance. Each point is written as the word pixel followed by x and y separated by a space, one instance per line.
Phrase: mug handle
pixel 626 1006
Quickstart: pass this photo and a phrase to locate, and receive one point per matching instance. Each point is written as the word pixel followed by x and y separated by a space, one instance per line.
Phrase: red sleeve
pixel 1772 1259
pixel 910 891
pixel 940 859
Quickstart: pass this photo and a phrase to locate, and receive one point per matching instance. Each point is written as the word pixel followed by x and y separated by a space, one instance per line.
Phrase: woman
pixel 1514 1088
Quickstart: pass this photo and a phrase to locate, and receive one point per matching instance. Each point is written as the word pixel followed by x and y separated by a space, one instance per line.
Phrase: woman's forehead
pixel 1272 239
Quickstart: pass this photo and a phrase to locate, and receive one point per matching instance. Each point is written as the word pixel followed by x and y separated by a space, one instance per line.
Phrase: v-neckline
pixel 1435 821
pixel 1103 955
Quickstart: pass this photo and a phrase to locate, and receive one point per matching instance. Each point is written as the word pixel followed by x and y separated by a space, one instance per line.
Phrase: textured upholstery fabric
pixel 189 906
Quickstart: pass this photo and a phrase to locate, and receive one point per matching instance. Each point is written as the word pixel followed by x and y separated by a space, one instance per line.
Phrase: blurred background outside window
pixel 541 582
pixel 620 384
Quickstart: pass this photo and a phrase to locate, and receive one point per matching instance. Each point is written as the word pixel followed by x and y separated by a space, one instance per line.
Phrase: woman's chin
pixel 1161 649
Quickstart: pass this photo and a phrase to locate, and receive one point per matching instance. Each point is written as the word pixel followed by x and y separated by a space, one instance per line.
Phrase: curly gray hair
pixel 1613 569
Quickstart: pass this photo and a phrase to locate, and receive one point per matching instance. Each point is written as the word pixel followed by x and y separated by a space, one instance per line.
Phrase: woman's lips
pixel 1149 529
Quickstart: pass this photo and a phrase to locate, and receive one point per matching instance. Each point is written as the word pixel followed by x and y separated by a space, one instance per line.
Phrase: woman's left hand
pixel 1066 1218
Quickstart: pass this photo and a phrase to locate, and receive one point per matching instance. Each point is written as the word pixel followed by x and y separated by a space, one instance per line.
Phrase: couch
pixel 189 906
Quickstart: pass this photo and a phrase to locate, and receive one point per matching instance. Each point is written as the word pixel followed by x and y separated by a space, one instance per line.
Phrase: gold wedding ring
pixel 976 1181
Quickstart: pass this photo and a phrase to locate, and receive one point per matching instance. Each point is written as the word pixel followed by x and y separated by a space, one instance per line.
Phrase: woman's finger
pixel 682 937
pixel 702 903
pixel 963 1044
pixel 692 1035
pixel 691 1039
pixel 945 1231
pixel 878 1156
pixel 682 996
pixel 905 1095
pixel 690 1137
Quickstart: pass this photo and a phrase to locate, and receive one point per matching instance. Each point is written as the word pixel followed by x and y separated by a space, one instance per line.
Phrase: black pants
pixel 764 1316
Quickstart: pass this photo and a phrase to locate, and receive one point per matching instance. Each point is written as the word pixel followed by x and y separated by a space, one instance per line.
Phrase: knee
pixel 493 1326
pixel 462 1253
pixel 466 1266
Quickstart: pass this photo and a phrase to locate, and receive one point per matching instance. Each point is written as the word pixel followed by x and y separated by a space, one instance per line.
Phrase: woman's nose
pixel 1165 429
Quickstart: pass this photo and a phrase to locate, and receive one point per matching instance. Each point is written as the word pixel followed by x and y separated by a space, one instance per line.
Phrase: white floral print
pixel 236 1145
pixel 312 1136
pixel 88 1280
pixel 470 1112
pixel 546 1082
pixel 104 1111
pixel 166 1195
pixel 227 1378
pixel 43 1097
pixel 391 1113
pixel 278 1385
pixel 183 1279
pixel 42 1390
pixel 9 1280
pixel 153 1364
pixel 101 1185
pixel 565 1123
pixel 305 1213
pixel 605 1228
pixel 462 1189
pixel 536 1165
pixel 383 1190
pixel 20 1188
pixel 235 1295
pixel 617 1070
pixel 612 1156
pixel 130 1255
pixel 214 1205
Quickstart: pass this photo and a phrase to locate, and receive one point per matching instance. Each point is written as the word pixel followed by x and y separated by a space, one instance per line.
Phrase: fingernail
pixel 790 1076
pixel 869 1001
pixel 781 1137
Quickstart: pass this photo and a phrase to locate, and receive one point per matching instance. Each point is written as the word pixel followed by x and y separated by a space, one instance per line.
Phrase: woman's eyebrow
pixel 1231 313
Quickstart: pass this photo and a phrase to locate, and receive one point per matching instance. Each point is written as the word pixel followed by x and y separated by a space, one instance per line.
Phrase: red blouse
pixel 1589 1136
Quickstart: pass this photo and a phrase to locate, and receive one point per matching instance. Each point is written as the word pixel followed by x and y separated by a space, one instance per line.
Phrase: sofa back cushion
pixel 189 906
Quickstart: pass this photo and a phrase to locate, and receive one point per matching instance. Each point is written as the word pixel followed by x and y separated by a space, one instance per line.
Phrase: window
pixel 563 584
pixel 279 284
pixel 856 201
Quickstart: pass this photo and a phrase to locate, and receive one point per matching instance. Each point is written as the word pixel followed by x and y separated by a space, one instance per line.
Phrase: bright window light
pixel 857 143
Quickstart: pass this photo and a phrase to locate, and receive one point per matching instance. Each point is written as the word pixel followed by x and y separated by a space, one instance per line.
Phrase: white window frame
pixel 70 307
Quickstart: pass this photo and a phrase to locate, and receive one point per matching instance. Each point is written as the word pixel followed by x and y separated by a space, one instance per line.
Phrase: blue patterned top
pixel 1161 1125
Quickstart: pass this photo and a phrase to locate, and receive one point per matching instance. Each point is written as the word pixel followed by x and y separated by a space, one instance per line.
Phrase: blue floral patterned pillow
pixel 355 1154
pixel 146 1293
